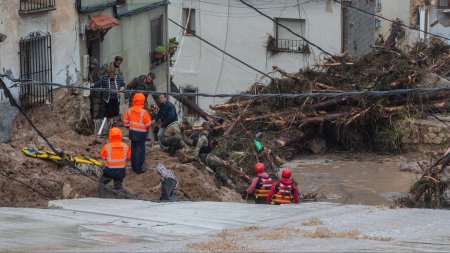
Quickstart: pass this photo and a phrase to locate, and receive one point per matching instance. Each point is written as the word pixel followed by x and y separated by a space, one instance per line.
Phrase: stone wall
pixel 425 135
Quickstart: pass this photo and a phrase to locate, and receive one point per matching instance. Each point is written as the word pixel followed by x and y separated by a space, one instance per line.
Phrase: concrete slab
pixel 107 225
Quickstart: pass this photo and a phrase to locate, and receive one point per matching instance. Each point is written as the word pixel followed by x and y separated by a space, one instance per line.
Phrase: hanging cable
pixel 372 93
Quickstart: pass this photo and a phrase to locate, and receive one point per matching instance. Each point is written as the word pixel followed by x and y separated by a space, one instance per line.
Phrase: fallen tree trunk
pixel 284 73
pixel 282 142
pixel 328 117
pixel 228 107
pixel 238 173
pixel 421 98
pixel 333 64
pixel 270 115
pixel 435 106
pixel 327 103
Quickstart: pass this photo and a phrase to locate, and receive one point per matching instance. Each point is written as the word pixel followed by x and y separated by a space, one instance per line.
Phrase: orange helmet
pixel 287 173
pixel 259 168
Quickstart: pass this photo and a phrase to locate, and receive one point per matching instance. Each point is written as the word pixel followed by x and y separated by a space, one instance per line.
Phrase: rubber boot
pixel 101 189
pixel 118 189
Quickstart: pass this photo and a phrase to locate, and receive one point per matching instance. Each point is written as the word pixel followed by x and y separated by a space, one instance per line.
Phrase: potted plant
pixel 160 51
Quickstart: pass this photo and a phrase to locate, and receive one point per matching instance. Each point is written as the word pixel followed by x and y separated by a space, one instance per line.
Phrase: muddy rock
pixel 318 145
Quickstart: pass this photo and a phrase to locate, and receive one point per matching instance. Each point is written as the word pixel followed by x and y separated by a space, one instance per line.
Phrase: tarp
pixel 101 21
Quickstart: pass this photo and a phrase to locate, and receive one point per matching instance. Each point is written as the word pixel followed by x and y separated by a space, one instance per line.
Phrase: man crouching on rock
pixel 114 154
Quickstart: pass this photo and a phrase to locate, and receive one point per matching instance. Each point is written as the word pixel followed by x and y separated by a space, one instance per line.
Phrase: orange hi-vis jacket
pixel 137 118
pixel 115 153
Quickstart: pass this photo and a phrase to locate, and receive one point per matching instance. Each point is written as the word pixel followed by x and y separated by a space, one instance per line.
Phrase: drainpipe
pixel 166 27
pixel 426 22
pixel 342 29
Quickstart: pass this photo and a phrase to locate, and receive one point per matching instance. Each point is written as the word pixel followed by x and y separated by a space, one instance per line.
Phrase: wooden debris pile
pixel 289 125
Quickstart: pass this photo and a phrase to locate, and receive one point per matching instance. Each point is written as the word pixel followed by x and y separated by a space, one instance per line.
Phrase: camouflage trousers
pixel 217 165
pixel 97 108
pixel 172 143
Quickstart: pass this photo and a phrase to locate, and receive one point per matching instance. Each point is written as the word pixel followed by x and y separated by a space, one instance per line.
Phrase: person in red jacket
pixel 260 185
pixel 283 191
pixel 114 154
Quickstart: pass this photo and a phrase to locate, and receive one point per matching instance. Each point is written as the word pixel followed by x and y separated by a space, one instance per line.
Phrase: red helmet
pixel 259 168
pixel 287 173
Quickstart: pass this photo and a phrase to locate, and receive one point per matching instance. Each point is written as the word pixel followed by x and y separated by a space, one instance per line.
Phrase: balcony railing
pixel 30 6
pixel 299 46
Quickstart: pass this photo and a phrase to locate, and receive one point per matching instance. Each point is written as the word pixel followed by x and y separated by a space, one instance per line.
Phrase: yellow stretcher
pixel 85 164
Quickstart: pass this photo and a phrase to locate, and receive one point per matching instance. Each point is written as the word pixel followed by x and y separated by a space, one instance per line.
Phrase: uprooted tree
pixel 432 189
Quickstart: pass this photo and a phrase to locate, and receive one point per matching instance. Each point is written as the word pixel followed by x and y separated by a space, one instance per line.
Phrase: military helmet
pixel 207 125
pixel 93 60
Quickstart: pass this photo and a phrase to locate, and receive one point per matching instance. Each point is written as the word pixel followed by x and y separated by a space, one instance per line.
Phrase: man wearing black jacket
pixel 166 115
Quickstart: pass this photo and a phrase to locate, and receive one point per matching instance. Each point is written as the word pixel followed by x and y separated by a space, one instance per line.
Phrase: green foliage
pixel 162 49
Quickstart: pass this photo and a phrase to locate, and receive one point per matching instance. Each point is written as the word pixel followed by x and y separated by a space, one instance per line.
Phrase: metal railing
pixel 36 65
pixel 36 5
pixel 292 45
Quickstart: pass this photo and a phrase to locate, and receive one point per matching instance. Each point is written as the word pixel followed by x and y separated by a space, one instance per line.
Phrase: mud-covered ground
pixel 57 124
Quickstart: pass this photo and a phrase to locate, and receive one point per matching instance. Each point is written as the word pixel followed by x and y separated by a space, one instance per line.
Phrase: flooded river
pixel 367 179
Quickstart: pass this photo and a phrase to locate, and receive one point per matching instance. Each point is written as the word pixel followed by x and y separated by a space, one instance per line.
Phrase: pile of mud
pixel 57 124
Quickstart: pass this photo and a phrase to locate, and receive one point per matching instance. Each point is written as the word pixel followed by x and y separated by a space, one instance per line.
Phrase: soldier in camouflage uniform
pixel 141 83
pixel 202 152
pixel 118 60
pixel 173 138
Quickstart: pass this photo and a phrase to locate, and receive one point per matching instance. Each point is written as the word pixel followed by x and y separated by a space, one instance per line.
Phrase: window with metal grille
pixel 29 6
pixel 285 40
pixel 156 33
pixel 187 111
pixel 36 66
pixel 444 4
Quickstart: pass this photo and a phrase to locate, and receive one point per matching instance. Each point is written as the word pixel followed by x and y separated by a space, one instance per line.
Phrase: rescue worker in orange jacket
pixel 283 191
pixel 114 154
pixel 260 185
pixel 138 121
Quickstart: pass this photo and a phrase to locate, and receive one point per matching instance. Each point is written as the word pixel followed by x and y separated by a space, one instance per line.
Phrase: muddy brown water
pixel 366 179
